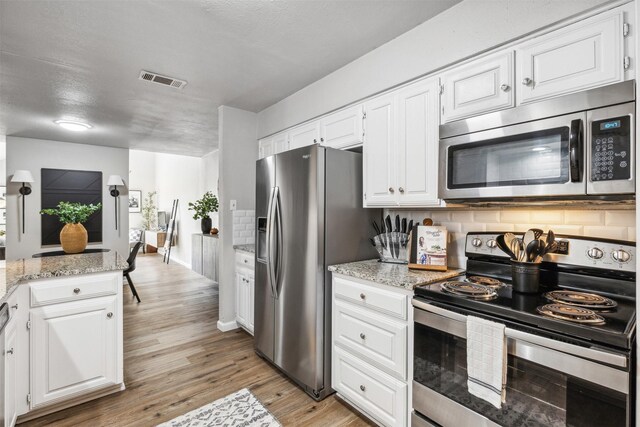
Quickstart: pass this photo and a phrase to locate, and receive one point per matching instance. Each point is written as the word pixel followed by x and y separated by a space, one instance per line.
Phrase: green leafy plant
pixel 149 212
pixel 202 207
pixel 72 213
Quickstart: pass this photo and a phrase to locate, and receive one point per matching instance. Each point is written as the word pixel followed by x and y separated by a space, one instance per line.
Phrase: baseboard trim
pixel 179 261
pixel 227 326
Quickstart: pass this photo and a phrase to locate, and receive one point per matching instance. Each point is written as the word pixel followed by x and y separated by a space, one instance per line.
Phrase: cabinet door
pixel 379 151
pixel 10 354
pixel 241 297
pixel 478 87
pixel 418 144
pixel 581 56
pixel 251 302
pixel 342 129
pixel 209 257
pixel 74 348
pixel 280 142
pixel 302 136
pixel 265 148
pixel 196 253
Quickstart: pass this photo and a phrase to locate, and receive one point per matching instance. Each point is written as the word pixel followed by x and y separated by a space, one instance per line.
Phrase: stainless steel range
pixel 570 348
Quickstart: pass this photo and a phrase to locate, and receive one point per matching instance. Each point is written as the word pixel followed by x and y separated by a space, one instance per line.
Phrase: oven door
pixel 549 383
pixel 536 159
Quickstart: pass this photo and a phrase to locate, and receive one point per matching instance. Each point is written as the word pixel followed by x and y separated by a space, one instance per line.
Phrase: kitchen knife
pixel 404 225
pixel 387 223
pixel 383 236
pixel 375 227
pixel 397 229
pixel 410 227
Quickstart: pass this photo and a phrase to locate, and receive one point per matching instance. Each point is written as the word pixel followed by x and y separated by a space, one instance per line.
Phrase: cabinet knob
pixel 391 190
pixel 245 261
pixel 10 351
pixel 505 87
pixel 401 190
pixel 109 315
pixel 527 81
pixel 363 296
pixel 315 141
pixel 362 336
pixel 15 307
pixel 362 388
pixel 321 139
pixel 76 291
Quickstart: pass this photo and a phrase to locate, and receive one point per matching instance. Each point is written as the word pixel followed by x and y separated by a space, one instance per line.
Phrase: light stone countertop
pixel 22 270
pixel 395 275
pixel 247 248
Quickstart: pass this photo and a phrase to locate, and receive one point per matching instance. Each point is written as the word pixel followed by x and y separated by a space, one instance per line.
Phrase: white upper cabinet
pixel 265 148
pixel 581 56
pixel 417 146
pixel 280 142
pixel 343 129
pixel 304 135
pixel 379 151
pixel 478 87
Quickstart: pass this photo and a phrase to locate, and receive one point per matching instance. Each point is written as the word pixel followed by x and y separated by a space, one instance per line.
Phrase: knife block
pixel 392 247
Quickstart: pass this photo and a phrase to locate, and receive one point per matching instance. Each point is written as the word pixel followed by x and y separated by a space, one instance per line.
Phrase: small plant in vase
pixel 73 236
pixel 202 208
pixel 149 212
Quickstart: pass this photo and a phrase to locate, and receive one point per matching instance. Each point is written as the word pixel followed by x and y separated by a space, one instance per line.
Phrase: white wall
pixel 237 154
pixel 468 28
pixel 142 176
pixel 35 154
pixel 210 178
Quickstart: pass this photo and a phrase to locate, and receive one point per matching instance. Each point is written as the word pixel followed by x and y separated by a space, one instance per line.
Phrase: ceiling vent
pixel 162 80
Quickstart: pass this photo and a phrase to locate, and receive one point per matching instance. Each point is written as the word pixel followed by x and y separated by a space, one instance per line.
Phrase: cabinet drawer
pixel 379 340
pixel 376 393
pixel 389 302
pixel 63 289
pixel 244 259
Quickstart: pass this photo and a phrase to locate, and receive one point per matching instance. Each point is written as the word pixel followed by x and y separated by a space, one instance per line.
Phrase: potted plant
pixel 73 236
pixel 149 212
pixel 202 208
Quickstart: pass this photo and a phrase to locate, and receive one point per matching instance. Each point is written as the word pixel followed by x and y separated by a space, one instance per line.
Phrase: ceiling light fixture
pixel 73 126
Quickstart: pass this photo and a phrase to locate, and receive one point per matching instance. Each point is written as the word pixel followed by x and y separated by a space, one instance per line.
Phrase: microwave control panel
pixel 611 149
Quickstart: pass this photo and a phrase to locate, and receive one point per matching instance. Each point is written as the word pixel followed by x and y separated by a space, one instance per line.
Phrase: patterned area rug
pixel 240 409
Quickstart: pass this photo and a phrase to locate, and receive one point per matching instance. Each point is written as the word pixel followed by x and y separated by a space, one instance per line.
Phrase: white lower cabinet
pixel 9 359
pixel 371 361
pixel 245 290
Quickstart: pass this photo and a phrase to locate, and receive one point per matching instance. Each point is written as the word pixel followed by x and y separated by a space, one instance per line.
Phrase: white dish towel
pixel 486 360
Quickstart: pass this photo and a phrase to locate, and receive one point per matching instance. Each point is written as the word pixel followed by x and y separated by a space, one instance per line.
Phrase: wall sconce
pixel 114 181
pixel 24 177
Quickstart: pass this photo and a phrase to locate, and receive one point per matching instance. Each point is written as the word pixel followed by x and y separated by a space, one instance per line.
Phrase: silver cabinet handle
pixel 504 87
pixel 76 291
pixel 362 388
pixel 401 190
pixel 10 351
pixel 109 315
pixel 391 190
pixel 315 141
pixel 526 81
pixel 362 296
pixel 321 139
pixel 362 336
pixel 15 307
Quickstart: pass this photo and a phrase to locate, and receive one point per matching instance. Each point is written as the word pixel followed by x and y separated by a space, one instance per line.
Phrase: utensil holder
pixel 525 276
pixel 392 247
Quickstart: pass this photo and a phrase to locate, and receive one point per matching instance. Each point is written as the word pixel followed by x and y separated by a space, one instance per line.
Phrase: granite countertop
pixel 65 265
pixel 396 275
pixel 247 248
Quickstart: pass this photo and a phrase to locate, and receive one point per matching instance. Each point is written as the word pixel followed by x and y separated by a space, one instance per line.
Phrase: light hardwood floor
pixel 176 360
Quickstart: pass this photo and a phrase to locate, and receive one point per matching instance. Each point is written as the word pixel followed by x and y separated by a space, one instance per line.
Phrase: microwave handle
pixel 575 150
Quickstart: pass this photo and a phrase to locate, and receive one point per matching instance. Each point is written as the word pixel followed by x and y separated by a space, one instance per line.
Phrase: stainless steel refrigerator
pixel 309 215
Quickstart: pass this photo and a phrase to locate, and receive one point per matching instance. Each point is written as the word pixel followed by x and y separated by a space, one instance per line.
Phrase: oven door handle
pixel 456 324
pixel 575 150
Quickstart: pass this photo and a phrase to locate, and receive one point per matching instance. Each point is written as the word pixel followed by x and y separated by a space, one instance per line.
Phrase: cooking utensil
pixel 516 248
pixel 503 246
pixel 428 222
pixel 528 237
pixel 508 238
pixel 551 237
pixel 537 233
pixel 535 250
pixel 397 229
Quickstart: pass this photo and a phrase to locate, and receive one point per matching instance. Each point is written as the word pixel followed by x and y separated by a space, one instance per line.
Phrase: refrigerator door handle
pixel 279 245
pixel 271 249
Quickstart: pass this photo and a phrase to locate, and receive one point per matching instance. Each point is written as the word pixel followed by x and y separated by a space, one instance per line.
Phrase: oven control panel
pixel 572 250
pixel 611 149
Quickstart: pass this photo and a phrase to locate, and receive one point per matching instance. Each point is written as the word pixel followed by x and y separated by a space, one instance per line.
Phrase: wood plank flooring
pixel 176 360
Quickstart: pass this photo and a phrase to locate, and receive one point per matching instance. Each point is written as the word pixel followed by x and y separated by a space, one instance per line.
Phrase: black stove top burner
pixel 571 314
pixel 581 299
pixel 486 281
pixel 469 290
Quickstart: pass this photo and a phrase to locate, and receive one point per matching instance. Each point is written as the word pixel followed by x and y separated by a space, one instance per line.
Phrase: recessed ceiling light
pixel 73 126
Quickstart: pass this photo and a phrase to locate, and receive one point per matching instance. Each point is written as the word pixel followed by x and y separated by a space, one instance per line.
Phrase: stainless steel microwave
pixel 578 146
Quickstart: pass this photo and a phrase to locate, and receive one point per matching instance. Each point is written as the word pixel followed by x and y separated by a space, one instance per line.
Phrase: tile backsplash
pixel 243 227
pixel 611 223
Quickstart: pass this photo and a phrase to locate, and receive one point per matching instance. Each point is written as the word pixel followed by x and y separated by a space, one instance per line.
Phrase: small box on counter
pixel 428 248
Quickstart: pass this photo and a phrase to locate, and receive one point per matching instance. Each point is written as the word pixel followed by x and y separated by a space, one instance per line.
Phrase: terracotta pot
pixel 73 238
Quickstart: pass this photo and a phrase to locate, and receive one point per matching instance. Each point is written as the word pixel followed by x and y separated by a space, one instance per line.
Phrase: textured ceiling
pixel 81 59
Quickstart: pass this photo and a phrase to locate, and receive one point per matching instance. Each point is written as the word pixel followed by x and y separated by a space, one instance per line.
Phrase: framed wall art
pixel 135 201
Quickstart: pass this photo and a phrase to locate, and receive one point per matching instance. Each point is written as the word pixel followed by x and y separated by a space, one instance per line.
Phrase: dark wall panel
pixel 60 185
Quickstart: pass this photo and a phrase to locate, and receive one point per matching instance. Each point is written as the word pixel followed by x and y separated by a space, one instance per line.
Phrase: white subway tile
pixel 583 217
pixel 472 226
pixel 574 230
pixel 607 232
pixel 462 216
pixel 452 227
pixel 441 216
pixel 246 220
pixel 499 227
pixel 486 216
pixel 522 228
pixel 512 216
pixel 547 216
pixel 631 234
pixel 621 218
